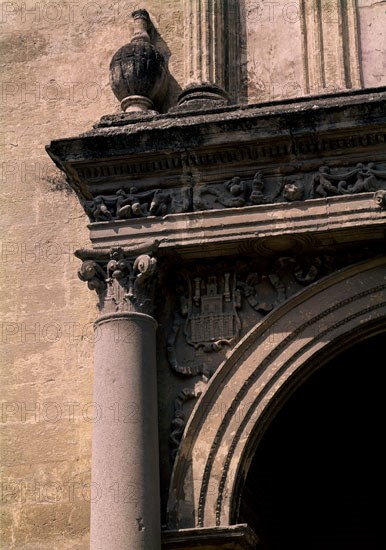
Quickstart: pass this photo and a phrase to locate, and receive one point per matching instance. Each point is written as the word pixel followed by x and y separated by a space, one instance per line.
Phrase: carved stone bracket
pixel 122 283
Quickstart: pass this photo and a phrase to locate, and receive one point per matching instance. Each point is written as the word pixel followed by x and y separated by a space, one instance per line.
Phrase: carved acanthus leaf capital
pixel 95 276
pixel 123 283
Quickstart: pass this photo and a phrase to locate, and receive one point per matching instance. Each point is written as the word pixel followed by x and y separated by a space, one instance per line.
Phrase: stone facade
pixel 232 213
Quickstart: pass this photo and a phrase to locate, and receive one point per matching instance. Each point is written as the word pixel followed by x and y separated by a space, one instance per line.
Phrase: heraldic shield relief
pixel 212 320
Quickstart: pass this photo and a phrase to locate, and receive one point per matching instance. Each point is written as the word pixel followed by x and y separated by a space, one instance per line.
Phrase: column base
pixel 201 96
pixel 233 537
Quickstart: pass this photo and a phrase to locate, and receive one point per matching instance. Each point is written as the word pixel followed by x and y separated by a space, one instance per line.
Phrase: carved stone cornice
pixel 176 150
pixel 123 283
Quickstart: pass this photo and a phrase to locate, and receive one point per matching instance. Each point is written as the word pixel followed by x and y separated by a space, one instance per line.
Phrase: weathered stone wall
pixel 301 47
pixel 372 17
pixel 55 59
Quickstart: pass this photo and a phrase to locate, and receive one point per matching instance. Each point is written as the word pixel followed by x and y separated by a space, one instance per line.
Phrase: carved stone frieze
pixel 232 194
pixel 237 192
pixel 359 180
pixel 126 204
pixel 123 283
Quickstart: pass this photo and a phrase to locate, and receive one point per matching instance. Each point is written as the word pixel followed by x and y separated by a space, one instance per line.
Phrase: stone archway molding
pixel 274 355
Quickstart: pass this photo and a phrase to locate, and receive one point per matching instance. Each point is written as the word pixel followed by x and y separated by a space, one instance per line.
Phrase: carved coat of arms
pixel 212 319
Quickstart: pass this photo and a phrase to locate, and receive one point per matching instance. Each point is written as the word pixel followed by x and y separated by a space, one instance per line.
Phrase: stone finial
pixel 138 73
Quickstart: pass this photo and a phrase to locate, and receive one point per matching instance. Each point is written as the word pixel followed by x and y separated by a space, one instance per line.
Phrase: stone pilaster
pixel 125 505
pixel 211 49
pixel 330 45
pixel 204 33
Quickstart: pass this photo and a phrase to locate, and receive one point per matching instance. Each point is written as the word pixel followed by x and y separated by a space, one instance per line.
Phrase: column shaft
pixel 125 503
pixel 204 31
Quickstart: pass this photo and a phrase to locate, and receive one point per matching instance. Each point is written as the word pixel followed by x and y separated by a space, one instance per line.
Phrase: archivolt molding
pixel 273 355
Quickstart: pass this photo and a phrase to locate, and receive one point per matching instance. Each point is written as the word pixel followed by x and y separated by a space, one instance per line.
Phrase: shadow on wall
pixel 174 89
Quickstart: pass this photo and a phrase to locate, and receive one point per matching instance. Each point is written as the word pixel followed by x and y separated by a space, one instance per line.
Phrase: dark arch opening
pixel 315 479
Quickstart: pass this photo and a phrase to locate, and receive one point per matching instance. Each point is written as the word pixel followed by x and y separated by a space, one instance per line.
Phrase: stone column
pixel 209 45
pixel 204 33
pixel 125 496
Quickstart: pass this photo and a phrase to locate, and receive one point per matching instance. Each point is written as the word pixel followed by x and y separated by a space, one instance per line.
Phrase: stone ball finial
pixel 138 72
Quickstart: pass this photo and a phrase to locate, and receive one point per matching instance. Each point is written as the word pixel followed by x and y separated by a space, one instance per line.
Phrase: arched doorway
pixel 255 382
pixel 315 480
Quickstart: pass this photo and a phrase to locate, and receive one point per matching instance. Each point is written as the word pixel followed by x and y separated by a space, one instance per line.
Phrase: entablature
pixel 188 150
pixel 264 230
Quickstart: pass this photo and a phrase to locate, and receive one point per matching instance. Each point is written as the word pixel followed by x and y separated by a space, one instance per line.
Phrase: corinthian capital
pixel 122 282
